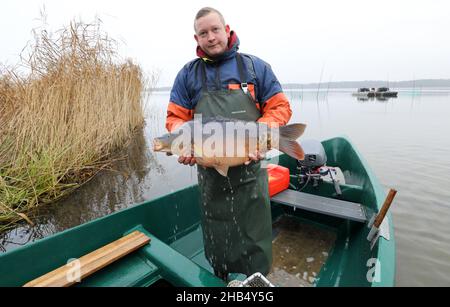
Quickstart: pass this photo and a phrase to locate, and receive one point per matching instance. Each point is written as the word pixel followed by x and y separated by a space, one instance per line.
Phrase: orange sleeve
pixel 276 111
pixel 177 115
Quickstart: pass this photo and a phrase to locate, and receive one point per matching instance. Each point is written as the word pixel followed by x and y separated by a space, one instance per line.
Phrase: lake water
pixel 403 139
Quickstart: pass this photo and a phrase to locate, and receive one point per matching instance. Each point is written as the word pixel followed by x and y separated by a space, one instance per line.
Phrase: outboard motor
pixel 315 155
pixel 312 167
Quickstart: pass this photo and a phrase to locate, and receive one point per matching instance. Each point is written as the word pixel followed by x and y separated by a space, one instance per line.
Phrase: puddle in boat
pixel 299 252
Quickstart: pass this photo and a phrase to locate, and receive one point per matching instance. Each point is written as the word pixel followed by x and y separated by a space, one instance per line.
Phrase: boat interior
pixel 311 247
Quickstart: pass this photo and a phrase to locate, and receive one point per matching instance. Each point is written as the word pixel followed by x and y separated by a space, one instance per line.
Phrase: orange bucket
pixel 278 178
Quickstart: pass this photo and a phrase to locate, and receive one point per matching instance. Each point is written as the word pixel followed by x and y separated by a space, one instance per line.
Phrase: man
pixel 236 216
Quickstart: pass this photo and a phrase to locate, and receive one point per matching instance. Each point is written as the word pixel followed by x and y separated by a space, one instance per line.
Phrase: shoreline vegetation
pixel 61 122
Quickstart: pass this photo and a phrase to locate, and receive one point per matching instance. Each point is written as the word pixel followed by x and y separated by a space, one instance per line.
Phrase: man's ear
pixel 227 29
pixel 196 38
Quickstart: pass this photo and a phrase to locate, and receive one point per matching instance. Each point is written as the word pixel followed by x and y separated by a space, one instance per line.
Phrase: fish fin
pixel 222 169
pixel 292 131
pixel 291 148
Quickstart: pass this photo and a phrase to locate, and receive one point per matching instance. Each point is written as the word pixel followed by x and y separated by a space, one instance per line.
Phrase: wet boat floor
pixel 299 252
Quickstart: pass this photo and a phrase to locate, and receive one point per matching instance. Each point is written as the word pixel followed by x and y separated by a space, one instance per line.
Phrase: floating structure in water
pixel 383 92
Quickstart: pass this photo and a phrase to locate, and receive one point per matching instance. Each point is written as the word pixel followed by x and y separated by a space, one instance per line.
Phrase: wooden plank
pixel 92 262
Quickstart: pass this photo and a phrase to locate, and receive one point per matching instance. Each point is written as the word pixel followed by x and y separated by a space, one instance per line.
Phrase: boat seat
pixel 323 205
pixel 92 262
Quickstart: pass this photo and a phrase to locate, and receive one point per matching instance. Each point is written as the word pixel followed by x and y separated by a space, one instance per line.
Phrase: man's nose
pixel 211 36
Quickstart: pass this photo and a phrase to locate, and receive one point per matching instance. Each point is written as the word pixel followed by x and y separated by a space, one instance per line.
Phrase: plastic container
pixel 278 178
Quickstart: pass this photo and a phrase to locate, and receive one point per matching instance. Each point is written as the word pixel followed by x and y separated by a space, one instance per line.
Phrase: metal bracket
pixel 244 87
pixel 383 231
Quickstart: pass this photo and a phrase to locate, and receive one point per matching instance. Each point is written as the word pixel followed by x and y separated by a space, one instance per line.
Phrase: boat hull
pixel 175 254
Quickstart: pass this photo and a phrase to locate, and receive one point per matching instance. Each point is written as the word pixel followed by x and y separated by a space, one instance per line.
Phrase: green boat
pixel 319 236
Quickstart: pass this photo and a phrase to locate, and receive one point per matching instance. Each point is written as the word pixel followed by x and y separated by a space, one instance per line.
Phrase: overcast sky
pixel 348 40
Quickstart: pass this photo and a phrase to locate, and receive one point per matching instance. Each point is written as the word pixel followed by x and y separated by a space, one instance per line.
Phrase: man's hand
pixel 256 156
pixel 187 160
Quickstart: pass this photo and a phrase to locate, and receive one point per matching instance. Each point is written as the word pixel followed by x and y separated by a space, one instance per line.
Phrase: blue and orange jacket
pixel 222 73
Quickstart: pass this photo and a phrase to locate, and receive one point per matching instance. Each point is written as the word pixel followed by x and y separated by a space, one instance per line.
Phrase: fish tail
pixel 292 131
pixel 287 142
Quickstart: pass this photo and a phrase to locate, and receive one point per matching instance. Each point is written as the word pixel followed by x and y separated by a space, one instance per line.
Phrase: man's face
pixel 211 35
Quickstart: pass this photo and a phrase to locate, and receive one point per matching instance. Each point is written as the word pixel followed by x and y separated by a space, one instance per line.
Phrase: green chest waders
pixel 236 216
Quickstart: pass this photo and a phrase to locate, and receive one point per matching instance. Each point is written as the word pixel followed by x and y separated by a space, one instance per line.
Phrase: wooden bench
pixel 92 262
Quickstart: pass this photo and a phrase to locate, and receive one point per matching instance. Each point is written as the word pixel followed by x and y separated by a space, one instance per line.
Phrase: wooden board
pixel 71 273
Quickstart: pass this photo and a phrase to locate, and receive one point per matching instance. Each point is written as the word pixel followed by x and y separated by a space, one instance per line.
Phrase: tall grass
pixel 60 122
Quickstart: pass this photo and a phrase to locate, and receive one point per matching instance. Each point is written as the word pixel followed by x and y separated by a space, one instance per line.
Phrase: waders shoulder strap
pixel 244 85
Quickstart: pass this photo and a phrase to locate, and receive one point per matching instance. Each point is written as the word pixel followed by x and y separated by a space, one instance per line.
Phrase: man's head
pixel 211 32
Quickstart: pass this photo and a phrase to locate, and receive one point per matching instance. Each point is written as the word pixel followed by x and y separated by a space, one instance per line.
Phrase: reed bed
pixel 61 121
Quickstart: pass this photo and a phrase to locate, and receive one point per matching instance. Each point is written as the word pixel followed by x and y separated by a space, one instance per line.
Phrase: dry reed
pixel 60 122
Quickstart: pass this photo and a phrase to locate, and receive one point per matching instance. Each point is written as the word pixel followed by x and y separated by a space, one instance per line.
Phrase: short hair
pixel 205 11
